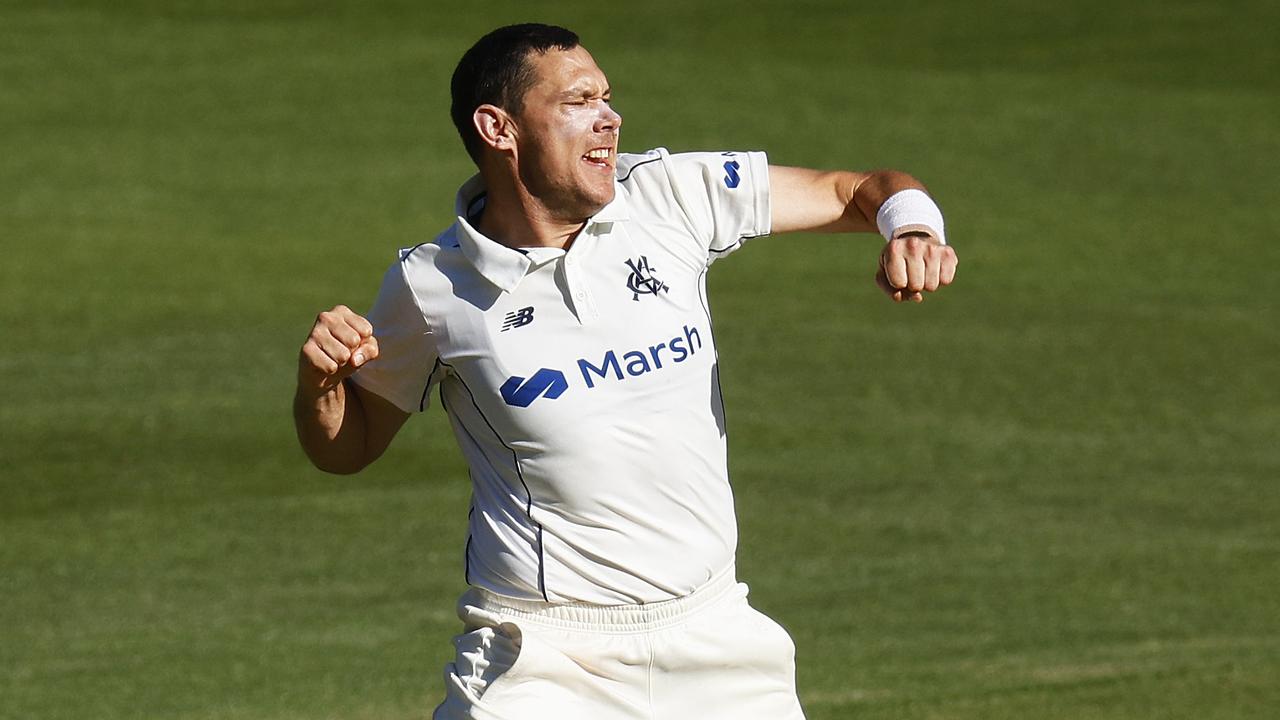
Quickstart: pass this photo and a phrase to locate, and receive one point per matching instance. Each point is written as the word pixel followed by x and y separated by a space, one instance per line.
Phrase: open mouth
pixel 599 157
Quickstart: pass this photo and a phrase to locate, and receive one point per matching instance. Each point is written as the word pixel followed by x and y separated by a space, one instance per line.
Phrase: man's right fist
pixel 339 344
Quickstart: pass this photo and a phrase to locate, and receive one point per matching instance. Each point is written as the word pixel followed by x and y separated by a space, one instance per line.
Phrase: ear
pixel 495 127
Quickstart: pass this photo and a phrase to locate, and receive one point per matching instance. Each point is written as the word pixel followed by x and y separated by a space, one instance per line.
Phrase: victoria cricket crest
pixel 642 281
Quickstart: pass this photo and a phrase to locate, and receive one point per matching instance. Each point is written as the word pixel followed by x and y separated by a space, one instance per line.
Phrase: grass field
pixel 1052 491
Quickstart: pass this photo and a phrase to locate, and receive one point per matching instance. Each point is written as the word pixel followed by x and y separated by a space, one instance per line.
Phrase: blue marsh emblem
pixel 521 392
pixel 641 281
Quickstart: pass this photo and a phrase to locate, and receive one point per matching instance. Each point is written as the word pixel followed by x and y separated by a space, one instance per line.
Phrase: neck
pixel 517 224
pixel 514 217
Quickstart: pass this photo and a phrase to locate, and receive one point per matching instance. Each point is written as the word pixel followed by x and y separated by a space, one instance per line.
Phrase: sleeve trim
pixel 383 392
pixel 760 178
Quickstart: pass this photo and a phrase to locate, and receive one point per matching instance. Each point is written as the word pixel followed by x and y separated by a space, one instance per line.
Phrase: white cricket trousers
pixel 706 656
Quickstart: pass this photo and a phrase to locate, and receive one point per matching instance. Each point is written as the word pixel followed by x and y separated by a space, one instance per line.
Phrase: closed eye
pixel 586 97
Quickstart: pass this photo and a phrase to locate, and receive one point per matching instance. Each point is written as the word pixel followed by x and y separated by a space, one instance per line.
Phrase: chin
pixel 606 197
pixel 580 199
pixel 593 200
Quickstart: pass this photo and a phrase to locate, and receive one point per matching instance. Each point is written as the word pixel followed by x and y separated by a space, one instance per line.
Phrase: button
pixel 580 296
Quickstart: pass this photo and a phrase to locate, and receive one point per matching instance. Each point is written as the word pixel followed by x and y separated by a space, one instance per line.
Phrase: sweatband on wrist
pixel 910 210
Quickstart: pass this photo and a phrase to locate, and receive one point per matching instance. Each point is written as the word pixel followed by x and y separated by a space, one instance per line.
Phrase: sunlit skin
pixel 550 166
pixel 543 185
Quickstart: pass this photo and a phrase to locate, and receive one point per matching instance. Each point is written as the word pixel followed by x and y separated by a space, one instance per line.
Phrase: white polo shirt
pixel 582 385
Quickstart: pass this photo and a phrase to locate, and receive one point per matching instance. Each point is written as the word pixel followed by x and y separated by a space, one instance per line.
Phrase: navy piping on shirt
pixel 711 326
pixel 404 254
pixel 466 553
pixel 736 244
pixel 632 169
pixel 542 578
pixel 422 404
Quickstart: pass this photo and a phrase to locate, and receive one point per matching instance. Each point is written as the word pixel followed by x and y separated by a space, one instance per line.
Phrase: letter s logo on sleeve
pixel 731 179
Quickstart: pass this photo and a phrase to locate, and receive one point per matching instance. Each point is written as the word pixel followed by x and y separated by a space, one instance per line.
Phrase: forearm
pixel 914 259
pixel 332 428
pixel 871 190
pixel 804 200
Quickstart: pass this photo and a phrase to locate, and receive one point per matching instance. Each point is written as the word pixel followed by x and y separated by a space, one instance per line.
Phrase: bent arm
pixel 341 427
pixel 839 201
pixel 915 258
pixel 344 430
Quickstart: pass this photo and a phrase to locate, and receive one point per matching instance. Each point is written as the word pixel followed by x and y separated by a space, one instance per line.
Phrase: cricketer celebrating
pixel 564 319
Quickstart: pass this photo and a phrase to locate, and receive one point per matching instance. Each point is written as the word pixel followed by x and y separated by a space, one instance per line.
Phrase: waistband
pixel 606 618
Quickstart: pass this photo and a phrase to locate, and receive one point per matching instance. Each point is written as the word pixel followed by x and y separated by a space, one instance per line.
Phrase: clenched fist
pixel 339 344
pixel 913 264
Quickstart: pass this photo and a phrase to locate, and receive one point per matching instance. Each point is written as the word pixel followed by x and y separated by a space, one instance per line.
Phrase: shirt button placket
pixel 581 299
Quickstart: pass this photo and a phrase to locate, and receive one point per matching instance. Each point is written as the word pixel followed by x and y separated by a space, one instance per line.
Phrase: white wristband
pixel 910 209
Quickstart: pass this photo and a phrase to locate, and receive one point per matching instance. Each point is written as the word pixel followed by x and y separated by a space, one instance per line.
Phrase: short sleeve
pixel 405 368
pixel 725 195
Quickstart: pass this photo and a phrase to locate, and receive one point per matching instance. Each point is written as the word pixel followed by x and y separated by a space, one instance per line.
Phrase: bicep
pixel 382 420
pixel 803 200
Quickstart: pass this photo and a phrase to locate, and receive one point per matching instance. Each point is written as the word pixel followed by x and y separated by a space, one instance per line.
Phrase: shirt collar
pixel 503 266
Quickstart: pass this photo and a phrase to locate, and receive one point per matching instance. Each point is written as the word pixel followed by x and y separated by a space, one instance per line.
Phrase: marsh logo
pixel 612 367
pixel 640 361
pixel 519 392
pixel 641 281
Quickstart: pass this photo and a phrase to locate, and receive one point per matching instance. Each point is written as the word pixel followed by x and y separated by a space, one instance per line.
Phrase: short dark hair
pixel 495 71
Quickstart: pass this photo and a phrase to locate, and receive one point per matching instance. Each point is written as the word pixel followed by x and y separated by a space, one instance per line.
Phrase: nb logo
pixel 517 318
pixel 641 281
pixel 731 179
pixel 519 392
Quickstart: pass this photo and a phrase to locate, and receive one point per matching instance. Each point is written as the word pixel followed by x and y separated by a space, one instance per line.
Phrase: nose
pixel 609 120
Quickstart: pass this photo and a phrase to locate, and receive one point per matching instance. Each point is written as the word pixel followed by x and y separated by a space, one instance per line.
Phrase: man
pixel 563 317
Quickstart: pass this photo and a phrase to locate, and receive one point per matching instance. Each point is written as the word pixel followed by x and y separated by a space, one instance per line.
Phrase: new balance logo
pixel 519 392
pixel 517 318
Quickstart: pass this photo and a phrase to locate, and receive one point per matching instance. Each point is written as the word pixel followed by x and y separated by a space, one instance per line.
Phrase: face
pixel 566 144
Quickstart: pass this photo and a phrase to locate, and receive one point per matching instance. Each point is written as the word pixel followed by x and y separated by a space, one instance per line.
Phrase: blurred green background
pixel 1050 491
